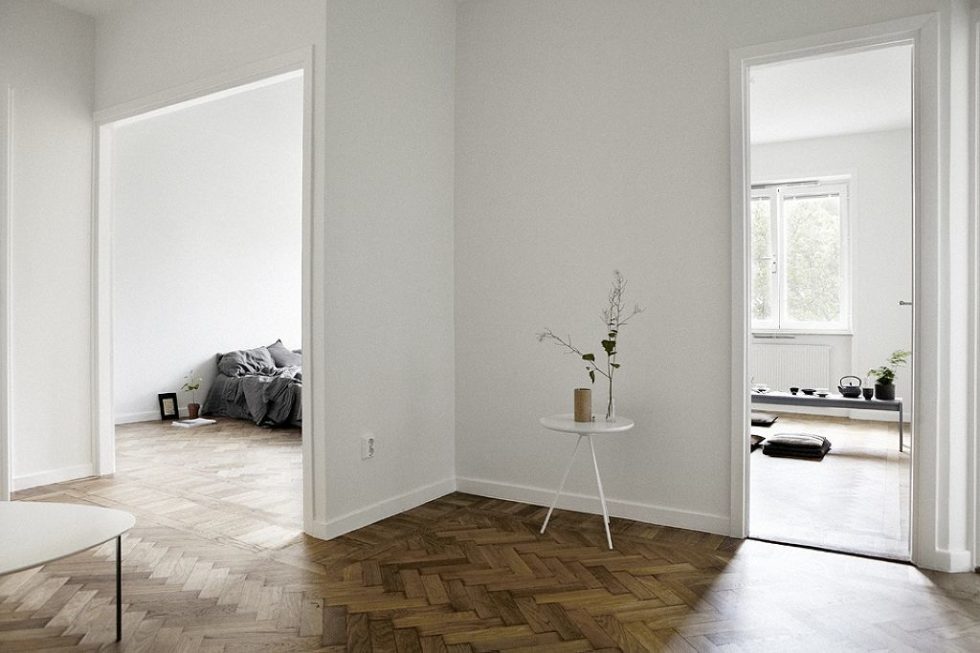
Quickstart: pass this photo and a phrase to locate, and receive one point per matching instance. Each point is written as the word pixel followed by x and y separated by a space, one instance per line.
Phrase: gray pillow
pixel 247 361
pixel 283 357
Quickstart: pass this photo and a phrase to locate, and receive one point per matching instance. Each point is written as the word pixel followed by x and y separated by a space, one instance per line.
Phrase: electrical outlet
pixel 367 446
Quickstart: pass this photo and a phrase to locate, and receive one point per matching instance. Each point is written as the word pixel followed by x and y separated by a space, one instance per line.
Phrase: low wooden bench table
pixel 835 401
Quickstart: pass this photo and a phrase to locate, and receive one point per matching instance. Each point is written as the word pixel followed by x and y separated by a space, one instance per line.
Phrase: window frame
pixel 777 193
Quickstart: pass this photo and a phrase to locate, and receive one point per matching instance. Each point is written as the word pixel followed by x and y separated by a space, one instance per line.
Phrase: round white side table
pixel 567 424
pixel 34 533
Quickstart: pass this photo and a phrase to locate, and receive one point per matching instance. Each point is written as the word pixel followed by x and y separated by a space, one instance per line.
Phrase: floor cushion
pixel 797 445
pixel 763 419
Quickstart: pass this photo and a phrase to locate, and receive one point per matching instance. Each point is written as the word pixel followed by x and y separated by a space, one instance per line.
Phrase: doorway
pixel 830 300
pixel 292 71
pixel 929 269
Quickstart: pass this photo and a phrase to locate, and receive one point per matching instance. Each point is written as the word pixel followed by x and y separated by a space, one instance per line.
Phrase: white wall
pixel 880 217
pixel 389 258
pixel 207 238
pixel 590 137
pixel 51 208
pixel 382 217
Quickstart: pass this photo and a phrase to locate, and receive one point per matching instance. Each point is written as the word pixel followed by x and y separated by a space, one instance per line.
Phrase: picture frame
pixel 168 406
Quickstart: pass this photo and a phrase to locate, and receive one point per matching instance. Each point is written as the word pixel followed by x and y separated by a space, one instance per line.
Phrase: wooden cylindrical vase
pixel 583 404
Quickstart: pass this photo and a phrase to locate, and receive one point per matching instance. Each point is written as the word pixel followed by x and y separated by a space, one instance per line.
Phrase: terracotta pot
pixel 193 411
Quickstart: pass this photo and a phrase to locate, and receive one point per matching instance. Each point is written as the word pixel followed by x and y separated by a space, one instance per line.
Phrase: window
pixel 799 257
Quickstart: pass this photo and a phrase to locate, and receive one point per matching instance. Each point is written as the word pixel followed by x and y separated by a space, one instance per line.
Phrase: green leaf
pixel 609 346
pixel 588 357
pixel 616 365
pixel 592 375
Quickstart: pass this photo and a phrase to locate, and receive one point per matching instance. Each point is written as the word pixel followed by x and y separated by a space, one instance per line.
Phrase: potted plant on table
pixel 614 317
pixel 885 375
pixel 192 384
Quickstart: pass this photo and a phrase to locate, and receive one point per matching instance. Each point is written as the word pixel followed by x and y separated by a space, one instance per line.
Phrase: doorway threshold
pixel 813 547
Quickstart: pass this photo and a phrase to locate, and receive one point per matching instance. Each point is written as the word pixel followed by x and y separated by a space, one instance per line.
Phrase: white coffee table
pixel 567 424
pixel 34 533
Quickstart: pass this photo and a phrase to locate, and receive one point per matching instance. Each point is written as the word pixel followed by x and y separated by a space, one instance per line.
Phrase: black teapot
pixel 850 390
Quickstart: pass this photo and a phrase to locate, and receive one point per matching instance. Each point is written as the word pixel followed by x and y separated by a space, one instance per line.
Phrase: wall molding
pixel 50 476
pixel 643 512
pixel 6 216
pixel 974 408
pixel 375 512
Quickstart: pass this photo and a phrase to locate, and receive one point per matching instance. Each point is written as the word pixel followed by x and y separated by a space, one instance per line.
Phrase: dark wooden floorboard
pixel 217 562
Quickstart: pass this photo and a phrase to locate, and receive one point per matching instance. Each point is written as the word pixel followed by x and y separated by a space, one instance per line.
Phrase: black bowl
pixel 808 391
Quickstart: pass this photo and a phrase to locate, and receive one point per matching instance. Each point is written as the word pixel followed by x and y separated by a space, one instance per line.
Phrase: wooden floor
pixel 215 564
pixel 856 499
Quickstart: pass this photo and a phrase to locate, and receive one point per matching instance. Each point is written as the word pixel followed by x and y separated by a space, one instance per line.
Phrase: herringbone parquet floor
pixel 217 563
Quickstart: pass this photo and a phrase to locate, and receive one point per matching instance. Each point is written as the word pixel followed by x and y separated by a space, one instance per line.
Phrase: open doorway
pixel 203 226
pixel 831 251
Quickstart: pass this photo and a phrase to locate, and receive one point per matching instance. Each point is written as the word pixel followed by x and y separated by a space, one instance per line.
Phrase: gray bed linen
pixel 247 361
pixel 263 399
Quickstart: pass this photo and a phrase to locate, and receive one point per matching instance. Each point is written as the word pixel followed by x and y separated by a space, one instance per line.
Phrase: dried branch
pixel 548 334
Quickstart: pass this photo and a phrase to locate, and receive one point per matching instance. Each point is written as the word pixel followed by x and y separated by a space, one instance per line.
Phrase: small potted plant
pixel 885 375
pixel 615 316
pixel 192 384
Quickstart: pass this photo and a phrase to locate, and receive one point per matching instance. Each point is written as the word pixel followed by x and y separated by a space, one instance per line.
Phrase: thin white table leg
pixel 562 484
pixel 602 497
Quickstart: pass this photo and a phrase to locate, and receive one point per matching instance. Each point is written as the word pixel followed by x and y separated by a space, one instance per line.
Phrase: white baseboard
pixel 53 476
pixel 643 512
pixel 945 560
pixel 144 416
pixel 131 418
pixel 326 530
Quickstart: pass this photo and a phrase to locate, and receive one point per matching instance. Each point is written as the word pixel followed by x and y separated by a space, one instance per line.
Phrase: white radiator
pixel 781 366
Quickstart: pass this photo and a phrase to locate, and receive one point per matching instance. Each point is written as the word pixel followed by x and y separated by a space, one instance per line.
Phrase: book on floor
pixel 191 423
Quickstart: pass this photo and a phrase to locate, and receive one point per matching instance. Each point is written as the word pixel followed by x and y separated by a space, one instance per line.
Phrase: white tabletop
pixel 567 424
pixel 34 533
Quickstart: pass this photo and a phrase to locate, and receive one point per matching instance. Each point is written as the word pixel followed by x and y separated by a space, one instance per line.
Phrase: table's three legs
pixel 598 479
pixel 602 497
pixel 119 588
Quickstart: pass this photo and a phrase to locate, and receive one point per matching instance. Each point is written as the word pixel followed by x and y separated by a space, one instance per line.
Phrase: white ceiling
pixel 93 8
pixel 849 93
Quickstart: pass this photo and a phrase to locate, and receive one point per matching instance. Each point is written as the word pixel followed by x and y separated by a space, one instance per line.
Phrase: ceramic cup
pixel 794 390
pixel 868 393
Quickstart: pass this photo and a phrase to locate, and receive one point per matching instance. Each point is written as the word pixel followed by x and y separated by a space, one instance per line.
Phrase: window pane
pixel 762 278
pixel 813 258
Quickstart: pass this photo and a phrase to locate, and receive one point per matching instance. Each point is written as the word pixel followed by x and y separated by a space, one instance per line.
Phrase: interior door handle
pixel 902 302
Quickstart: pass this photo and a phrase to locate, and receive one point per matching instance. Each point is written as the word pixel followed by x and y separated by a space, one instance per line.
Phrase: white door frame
pixel 6 215
pixel 103 426
pixel 931 528
pixel 975 276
